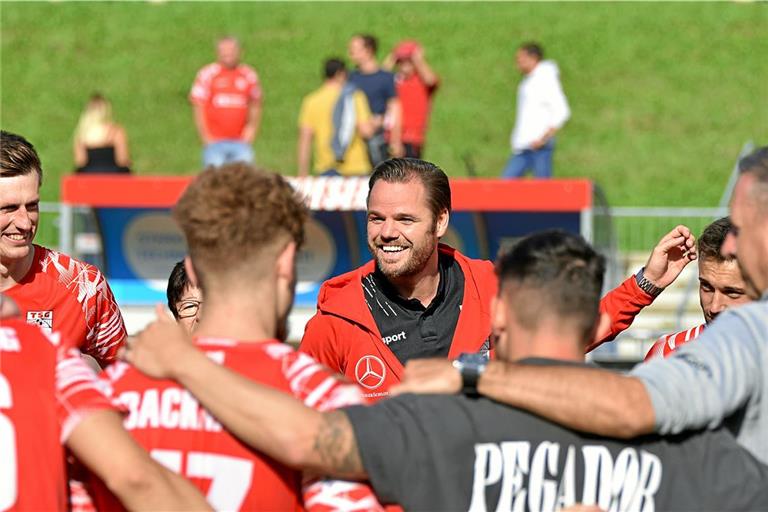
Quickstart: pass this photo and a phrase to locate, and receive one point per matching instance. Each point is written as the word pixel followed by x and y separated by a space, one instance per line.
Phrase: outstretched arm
pixel 269 420
pixel 587 399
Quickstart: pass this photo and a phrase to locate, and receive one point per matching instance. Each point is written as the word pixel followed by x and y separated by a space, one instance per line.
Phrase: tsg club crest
pixel 42 319
pixel 370 372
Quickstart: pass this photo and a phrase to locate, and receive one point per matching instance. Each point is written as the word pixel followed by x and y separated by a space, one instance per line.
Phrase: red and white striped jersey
pixel 668 343
pixel 45 391
pixel 62 294
pixel 179 433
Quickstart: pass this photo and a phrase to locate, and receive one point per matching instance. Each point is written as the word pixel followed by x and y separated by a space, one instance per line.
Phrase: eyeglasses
pixel 188 308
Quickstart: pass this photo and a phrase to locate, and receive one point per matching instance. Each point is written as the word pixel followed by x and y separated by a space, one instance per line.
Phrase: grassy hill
pixel 663 95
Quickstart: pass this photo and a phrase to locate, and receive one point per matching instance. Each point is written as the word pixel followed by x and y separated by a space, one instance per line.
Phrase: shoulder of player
pixel 316 385
pixel 208 71
pixel 480 272
pixel 54 260
pixel 248 72
pixel 343 287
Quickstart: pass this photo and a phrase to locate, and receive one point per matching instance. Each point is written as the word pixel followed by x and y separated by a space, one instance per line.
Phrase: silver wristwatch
pixel 647 286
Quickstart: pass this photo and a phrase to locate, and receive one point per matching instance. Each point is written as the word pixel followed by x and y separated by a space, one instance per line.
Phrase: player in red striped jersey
pixel 53 290
pixel 721 286
pixel 49 396
pixel 243 228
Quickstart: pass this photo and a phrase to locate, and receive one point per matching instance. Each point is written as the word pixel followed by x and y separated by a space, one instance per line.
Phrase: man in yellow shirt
pixel 337 118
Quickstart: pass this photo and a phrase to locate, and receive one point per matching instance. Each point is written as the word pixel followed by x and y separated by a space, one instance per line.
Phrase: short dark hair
pixel 177 283
pixel 403 170
pixel 333 67
pixel 369 42
pixel 554 273
pixel 533 49
pixel 712 239
pixel 18 157
pixel 756 163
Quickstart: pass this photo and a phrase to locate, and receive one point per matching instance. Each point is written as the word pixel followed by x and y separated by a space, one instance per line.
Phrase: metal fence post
pixel 66 225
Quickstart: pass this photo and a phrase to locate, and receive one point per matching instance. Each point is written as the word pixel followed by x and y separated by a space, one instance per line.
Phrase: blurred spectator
pixel 185 299
pixel 415 83
pixel 379 87
pixel 541 111
pixel 336 116
pixel 226 98
pixel 100 144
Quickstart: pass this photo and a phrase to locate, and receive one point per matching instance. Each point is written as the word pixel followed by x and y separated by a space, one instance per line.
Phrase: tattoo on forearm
pixel 336 446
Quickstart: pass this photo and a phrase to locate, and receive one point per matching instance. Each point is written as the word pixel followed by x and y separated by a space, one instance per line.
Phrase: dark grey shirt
pixel 409 329
pixel 434 452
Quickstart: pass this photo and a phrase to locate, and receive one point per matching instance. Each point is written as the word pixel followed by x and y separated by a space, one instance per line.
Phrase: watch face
pixel 473 359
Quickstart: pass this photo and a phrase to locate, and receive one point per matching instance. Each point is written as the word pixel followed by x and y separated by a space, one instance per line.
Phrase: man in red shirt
pixel 226 98
pixel 50 397
pixel 242 254
pixel 418 298
pixel 721 286
pixel 415 83
pixel 52 290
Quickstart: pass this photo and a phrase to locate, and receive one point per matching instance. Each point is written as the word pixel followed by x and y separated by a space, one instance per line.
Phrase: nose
pixel 719 303
pixel 389 230
pixel 21 219
pixel 728 249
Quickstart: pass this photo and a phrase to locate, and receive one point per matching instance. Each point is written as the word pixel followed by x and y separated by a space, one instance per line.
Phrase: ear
pixel 191 274
pixel 285 266
pixel 498 314
pixel 442 223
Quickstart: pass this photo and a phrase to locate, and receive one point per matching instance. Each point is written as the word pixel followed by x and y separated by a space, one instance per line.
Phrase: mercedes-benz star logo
pixel 370 372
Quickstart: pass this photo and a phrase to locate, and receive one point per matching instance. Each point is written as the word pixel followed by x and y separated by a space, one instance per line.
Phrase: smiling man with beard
pixel 416 298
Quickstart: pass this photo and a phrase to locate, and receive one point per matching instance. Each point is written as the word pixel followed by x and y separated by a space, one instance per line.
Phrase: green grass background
pixel 663 95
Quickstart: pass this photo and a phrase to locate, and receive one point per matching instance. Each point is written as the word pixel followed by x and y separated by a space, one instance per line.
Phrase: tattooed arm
pixel 269 420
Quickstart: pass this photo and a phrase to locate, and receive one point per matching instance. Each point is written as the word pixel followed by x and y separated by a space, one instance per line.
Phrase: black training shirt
pixel 440 452
pixel 409 329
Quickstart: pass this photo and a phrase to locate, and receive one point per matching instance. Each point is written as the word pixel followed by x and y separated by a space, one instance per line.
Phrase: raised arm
pixel 666 262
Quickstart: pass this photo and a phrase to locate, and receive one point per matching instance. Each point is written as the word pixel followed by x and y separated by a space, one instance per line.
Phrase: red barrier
pixel 330 194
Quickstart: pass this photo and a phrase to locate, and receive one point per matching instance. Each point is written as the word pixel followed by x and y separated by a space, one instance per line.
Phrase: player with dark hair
pixel 184 298
pixel 435 452
pixel 334 120
pixel 419 298
pixel 721 286
pixel 52 290
pixel 243 228
pixel 542 111
pixel 718 381
pixel 379 87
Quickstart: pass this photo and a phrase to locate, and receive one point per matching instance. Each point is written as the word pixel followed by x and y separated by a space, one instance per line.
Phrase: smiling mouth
pixel 392 249
pixel 16 237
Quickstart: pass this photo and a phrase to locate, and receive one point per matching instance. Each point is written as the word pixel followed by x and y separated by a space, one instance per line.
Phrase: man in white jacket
pixel 542 110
